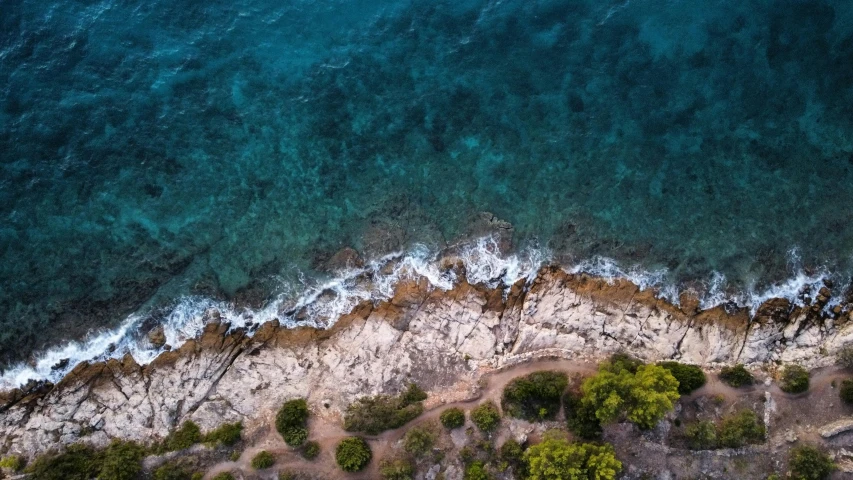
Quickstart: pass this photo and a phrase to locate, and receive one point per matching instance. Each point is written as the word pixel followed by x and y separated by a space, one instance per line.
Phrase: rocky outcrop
pixel 443 340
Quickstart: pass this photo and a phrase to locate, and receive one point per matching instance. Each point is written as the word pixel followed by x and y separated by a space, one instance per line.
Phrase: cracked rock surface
pixel 442 340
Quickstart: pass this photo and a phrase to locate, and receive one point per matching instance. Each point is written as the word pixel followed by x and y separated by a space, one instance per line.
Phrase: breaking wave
pixel 321 304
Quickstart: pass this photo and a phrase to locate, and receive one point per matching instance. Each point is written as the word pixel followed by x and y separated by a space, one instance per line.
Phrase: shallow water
pixel 225 150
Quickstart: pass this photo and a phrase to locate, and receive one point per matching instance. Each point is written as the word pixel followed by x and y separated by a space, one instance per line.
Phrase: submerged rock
pixel 157 337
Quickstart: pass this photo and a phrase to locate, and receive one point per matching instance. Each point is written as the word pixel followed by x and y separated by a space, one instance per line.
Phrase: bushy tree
pixel 396 469
pixel 535 396
pixel 122 461
pixel 643 397
pixel 419 440
pixel 310 450
pixel 558 459
pixel 737 376
pixel 452 418
pixel 262 460
pixel 486 416
pixel 846 391
pixel 690 377
pixel 476 471
pixel 353 454
pixel 292 420
pixel 580 416
pixel 809 463
pixel 512 454
pixel 795 379
pixel 742 428
pixel 702 435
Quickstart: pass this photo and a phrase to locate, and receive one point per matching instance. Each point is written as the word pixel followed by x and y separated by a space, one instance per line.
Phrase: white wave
pixel 318 306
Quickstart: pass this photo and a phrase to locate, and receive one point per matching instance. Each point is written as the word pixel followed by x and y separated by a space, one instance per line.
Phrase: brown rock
pixel 689 302
pixel 343 259
pixel 157 337
pixel 775 310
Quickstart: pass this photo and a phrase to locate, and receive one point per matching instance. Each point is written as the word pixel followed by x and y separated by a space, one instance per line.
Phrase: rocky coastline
pixel 445 341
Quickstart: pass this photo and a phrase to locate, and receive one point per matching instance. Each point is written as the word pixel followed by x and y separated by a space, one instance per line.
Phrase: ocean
pixel 161 158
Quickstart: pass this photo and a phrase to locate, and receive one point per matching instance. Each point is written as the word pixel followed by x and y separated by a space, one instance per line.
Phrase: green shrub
pixel 200 476
pixel 373 415
pixel 551 458
pixel 78 462
pixel 512 454
pixel 419 440
pixel 486 417
pixel 621 362
pixel 690 377
pixel 809 463
pixel 737 376
pixel 742 428
pixel 580 416
pixel 292 420
pixel 172 471
pixel 476 471
pixel 535 396
pixel 795 379
pixel 452 418
pixel 310 450
pixel 122 461
pixel 235 455
pixel 226 434
pixel 846 391
pixel 286 475
pixel 643 397
pixel 702 435
pixel 397 469
pixel 183 438
pixel 13 463
pixel 223 476
pixel 353 454
pixel 262 460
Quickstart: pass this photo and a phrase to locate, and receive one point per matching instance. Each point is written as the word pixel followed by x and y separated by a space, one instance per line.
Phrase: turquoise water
pixel 151 150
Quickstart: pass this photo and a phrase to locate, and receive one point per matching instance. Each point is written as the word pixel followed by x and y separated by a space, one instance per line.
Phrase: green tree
pixel 580 416
pixel 476 471
pixel 262 460
pixel 690 377
pixel 702 435
pixel 373 415
pixel 558 459
pixel 795 379
pixel 353 454
pixel 736 376
pixel 419 440
pixel 643 397
pixel 742 428
pixel 310 450
pixel 809 463
pixel 292 420
pixel 535 396
pixel 452 418
pixel 486 417
pixel 396 469
pixel 122 461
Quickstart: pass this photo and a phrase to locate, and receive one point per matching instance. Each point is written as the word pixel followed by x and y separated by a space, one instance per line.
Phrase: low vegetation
pixel 122 461
pixel 373 415
pixel 795 379
pixel 512 456
pixel 396 469
pixel 226 434
pixel 119 461
pixel 734 431
pixel 353 454
pixel 559 459
pixel 175 471
pixel 223 476
pixel 844 357
pixel 419 440
pixel 310 450
pixel 737 376
pixel 476 471
pixel 809 463
pixel 292 422
pixel 486 416
pixel 262 460
pixel 690 377
pixel 13 463
pixel 535 396
pixel 641 393
pixel 184 437
pixel 452 418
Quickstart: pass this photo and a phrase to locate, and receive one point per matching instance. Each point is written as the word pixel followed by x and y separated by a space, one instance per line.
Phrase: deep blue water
pixel 150 150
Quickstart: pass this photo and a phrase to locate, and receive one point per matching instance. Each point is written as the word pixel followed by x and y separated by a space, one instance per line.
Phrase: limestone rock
pixel 835 428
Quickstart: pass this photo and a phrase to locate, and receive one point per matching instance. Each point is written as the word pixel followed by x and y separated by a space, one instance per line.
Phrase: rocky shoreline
pixel 445 341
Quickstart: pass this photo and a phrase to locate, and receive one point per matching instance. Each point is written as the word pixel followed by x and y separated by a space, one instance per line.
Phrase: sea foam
pixel 320 304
